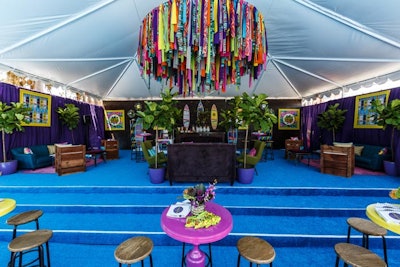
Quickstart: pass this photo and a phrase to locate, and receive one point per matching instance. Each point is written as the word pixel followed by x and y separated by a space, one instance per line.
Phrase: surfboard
pixel 214 117
pixel 200 108
pixel 186 116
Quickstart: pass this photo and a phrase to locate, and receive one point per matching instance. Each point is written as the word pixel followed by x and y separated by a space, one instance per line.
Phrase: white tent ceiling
pixel 314 45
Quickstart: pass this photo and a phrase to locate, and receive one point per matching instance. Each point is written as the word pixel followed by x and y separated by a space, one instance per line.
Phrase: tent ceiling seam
pixel 119 78
pixel 65 59
pixel 309 73
pixel 286 78
pixel 348 22
pixel 369 60
pixel 55 27
pixel 136 9
pixel 258 81
pixel 98 72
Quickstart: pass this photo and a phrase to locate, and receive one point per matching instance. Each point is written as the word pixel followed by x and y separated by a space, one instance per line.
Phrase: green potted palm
pixel 388 116
pixel 252 111
pixel 69 116
pixel 160 116
pixel 12 118
pixel 332 119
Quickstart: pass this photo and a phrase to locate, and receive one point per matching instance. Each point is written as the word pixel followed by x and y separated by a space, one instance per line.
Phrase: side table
pixel 175 228
pixel 297 155
pixel 95 153
pixel 6 206
pixel 374 216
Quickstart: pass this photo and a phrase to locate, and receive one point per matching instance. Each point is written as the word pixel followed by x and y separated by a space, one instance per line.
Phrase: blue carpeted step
pixel 110 225
pixel 73 255
pixel 227 196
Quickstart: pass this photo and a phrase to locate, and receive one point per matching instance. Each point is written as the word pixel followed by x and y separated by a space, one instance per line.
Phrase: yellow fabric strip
pixel 215 11
pixel 174 20
pixel 160 35
pixel 208 51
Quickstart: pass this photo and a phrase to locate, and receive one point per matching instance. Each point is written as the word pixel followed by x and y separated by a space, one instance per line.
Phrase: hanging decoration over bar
pixel 202 45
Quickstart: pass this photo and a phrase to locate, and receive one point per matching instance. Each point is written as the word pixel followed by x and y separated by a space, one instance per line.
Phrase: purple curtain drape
pixel 89 134
pixel 347 133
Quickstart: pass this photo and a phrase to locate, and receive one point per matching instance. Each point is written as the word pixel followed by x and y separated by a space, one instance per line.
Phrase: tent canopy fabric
pixel 314 46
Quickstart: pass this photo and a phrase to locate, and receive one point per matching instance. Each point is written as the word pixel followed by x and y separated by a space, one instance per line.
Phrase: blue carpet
pixel 300 211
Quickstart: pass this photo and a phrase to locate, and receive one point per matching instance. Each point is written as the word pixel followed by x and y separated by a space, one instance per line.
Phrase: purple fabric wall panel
pixel 83 134
pixel 347 133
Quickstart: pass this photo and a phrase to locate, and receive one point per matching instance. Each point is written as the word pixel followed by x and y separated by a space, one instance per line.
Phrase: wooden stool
pixel 133 250
pixel 367 228
pixel 255 250
pixel 357 256
pixel 24 218
pixel 28 241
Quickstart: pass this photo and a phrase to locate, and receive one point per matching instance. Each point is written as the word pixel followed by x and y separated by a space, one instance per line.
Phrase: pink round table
pixel 175 228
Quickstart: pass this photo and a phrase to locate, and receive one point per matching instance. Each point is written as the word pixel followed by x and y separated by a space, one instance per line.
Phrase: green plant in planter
pixel 229 118
pixel 332 119
pixel 69 116
pixel 12 118
pixel 160 115
pixel 253 110
pixel 388 115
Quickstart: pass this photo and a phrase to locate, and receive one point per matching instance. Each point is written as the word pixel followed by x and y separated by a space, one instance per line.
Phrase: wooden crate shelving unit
pixel 337 160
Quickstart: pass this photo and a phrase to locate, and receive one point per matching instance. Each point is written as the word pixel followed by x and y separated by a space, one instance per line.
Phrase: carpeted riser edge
pixel 177 190
pixel 161 239
pixel 268 211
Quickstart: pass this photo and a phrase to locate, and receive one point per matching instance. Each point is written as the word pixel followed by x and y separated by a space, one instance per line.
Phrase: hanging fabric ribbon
pixel 202 45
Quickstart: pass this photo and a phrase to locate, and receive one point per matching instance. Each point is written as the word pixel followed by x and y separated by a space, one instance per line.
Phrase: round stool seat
pixel 30 240
pixel 366 227
pixel 25 217
pixel 358 256
pixel 133 250
pixel 256 250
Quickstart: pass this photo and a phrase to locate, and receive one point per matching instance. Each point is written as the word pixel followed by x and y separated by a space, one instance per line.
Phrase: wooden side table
pixel 297 155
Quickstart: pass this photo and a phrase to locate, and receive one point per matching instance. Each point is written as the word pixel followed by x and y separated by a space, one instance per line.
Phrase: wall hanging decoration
pixel 364 117
pixel 115 120
pixel 202 46
pixel 40 107
pixel 289 119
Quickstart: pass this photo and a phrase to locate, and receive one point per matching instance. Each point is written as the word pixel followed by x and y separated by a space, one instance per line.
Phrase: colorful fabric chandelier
pixel 202 45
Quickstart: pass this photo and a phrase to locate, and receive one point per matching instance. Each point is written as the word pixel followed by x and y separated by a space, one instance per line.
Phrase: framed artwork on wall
pixel 289 119
pixel 363 116
pixel 40 105
pixel 115 120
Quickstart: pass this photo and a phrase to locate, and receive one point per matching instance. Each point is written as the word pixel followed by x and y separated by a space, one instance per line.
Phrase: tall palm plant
pixel 253 111
pixel 69 116
pixel 388 115
pixel 12 118
pixel 332 119
pixel 160 115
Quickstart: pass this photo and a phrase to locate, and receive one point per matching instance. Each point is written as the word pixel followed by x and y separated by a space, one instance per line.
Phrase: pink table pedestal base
pixel 195 257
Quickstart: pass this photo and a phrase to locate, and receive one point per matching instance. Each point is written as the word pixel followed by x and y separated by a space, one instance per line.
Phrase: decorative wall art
pixel 40 105
pixel 202 46
pixel 115 120
pixel 289 119
pixel 364 117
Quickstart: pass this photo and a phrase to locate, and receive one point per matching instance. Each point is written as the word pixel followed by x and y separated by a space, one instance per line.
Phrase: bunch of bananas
pixel 203 220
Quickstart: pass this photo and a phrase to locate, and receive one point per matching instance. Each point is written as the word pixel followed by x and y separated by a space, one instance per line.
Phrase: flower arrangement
pixel 198 195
